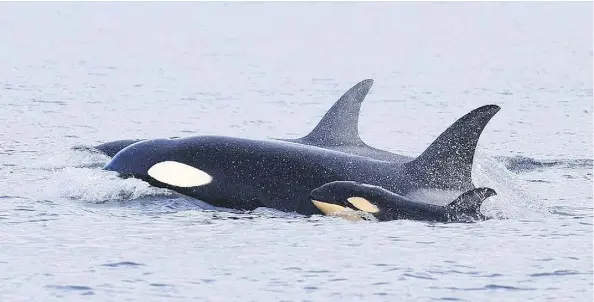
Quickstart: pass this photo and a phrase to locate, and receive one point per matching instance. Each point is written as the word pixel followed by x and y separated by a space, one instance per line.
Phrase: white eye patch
pixel 329 208
pixel 179 175
pixel 336 210
pixel 363 204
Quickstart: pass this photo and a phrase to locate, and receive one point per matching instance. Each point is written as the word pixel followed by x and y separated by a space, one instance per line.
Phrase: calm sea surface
pixel 85 73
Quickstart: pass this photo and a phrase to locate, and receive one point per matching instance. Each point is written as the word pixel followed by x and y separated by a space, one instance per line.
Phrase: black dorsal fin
pixel 470 201
pixel 447 163
pixel 112 148
pixel 340 125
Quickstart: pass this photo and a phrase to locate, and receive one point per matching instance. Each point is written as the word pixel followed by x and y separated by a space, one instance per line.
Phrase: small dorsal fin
pixel 447 162
pixel 470 201
pixel 112 148
pixel 340 125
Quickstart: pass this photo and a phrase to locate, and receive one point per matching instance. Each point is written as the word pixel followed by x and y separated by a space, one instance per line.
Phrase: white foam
pixel 64 158
pixel 511 200
pixel 97 186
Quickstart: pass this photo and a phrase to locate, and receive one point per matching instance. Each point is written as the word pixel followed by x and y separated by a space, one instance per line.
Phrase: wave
pixel 523 164
pixel 512 201
pixel 98 186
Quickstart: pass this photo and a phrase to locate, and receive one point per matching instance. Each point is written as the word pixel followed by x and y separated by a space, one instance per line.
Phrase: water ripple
pixel 123 264
pixel 83 290
pixel 528 164
pixel 557 273
pixel 492 287
pixel 419 276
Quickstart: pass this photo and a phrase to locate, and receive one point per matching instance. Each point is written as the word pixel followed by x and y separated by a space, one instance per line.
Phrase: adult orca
pixel 245 174
pixel 346 198
pixel 337 130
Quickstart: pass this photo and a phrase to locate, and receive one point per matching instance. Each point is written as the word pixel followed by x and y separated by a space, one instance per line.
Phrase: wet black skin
pixel 281 174
pixel 253 173
pixel 393 206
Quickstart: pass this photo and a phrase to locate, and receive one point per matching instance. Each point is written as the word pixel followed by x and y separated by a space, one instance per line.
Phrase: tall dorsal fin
pixel 447 163
pixel 470 201
pixel 340 125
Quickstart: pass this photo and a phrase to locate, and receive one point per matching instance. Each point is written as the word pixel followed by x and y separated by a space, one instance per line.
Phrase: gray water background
pixel 84 73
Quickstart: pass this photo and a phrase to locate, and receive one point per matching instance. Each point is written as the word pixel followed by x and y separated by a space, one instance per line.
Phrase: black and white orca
pixel 281 174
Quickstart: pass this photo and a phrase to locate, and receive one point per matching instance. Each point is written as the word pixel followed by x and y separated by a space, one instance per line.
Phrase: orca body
pixel 245 174
pixel 342 198
pixel 337 130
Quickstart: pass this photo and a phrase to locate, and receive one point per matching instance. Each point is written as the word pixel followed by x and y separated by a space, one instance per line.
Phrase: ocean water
pixel 84 73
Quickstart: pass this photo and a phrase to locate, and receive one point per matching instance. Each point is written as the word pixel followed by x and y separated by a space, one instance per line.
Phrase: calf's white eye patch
pixel 179 175
pixel 336 210
pixel 363 204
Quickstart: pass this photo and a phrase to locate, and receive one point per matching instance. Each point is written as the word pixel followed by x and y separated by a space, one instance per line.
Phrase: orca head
pixel 347 199
pixel 160 162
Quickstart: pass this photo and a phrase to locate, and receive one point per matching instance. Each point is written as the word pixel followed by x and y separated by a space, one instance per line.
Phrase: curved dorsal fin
pixel 447 163
pixel 470 201
pixel 340 125
pixel 112 148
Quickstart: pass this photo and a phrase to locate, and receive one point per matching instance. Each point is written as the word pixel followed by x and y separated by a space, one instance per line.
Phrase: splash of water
pixel 76 157
pixel 99 186
pixel 511 202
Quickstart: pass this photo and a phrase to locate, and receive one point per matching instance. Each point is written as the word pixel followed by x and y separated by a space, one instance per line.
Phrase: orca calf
pixel 342 198
pixel 245 174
